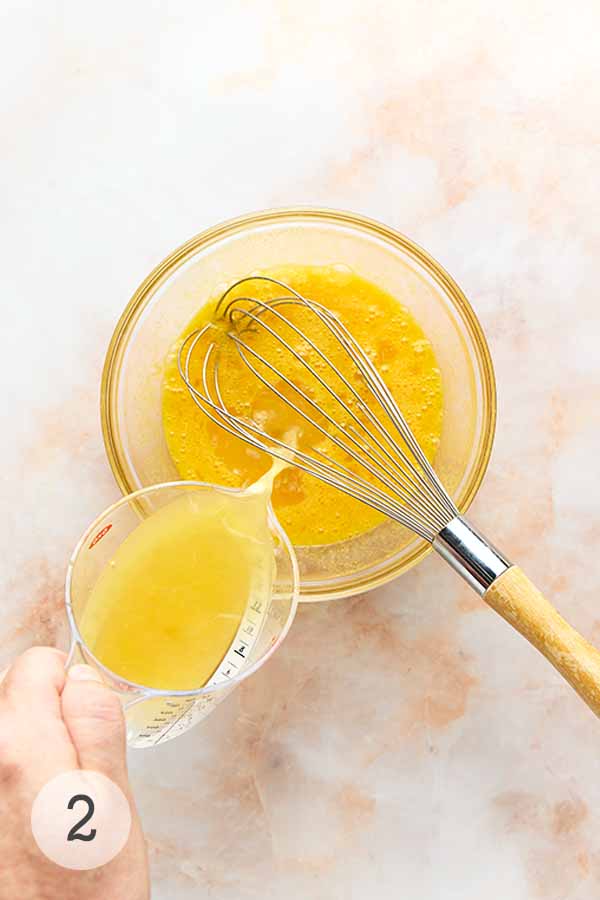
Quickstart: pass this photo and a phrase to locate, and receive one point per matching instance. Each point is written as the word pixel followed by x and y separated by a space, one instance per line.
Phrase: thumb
pixel 96 723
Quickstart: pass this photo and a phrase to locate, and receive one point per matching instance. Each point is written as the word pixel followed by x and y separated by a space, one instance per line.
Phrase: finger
pixel 94 718
pixel 36 678
pixel 32 724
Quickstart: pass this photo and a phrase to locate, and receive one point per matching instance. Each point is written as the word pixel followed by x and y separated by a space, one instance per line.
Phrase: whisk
pixel 381 464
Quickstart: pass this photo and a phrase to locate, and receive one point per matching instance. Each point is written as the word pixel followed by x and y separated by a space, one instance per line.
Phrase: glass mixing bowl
pixel 168 298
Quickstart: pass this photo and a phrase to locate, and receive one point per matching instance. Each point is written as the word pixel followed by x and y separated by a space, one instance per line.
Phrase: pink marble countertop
pixel 445 758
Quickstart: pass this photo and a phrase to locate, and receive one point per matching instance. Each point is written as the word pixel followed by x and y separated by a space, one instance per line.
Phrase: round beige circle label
pixel 81 819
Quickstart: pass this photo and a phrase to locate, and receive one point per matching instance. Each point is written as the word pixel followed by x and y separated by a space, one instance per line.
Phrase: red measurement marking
pixel 100 535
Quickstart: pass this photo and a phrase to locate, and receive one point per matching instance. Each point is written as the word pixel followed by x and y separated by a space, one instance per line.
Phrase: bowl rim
pixel 451 290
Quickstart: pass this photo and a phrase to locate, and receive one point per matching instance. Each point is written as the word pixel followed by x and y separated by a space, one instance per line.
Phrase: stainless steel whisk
pixel 366 424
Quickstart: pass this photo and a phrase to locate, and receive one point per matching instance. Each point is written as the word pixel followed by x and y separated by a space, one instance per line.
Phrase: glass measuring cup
pixel 154 716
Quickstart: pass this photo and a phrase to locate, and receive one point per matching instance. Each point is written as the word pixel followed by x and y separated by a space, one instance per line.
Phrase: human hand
pixel 53 721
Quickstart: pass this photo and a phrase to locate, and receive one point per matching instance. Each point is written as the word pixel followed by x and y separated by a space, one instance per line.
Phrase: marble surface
pixel 438 756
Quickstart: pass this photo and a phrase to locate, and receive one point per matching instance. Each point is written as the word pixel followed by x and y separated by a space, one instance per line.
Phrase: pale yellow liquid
pixel 166 608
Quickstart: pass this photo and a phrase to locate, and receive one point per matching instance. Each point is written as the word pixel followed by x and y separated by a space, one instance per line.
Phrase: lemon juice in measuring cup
pixel 177 593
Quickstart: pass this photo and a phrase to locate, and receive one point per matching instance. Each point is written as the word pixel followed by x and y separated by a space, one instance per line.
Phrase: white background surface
pixel 440 757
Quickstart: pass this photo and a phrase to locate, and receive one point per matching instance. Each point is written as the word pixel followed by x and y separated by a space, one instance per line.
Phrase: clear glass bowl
pixel 168 298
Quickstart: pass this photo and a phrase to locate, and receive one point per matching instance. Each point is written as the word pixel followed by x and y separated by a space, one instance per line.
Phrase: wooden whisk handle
pixel 518 601
pixel 507 590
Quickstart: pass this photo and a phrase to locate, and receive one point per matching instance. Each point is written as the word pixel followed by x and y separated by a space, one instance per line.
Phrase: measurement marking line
pixel 178 719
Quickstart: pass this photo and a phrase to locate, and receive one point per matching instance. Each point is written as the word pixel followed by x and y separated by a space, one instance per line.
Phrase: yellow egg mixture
pixel 310 512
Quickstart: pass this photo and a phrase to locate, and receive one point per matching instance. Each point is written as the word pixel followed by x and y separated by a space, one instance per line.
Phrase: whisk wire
pixel 385 399
pixel 380 448
pixel 392 483
pixel 219 414
pixel 333 471
pixel 413 495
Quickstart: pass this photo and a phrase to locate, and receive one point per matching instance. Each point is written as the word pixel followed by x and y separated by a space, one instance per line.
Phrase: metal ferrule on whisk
pixel 470 554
